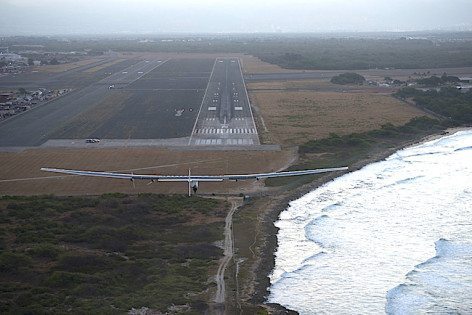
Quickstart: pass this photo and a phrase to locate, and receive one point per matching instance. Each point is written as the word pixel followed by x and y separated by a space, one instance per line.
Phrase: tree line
pixel 447 101
pixel 295 52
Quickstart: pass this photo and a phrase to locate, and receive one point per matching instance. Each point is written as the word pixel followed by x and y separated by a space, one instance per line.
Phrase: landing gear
pixel 192 186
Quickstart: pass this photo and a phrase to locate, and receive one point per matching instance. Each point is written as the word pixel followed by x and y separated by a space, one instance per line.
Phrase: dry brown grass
pixel 291 84
pixel 103 66
pixel 292 118
pixel 20 172
pixel 253 64
pixel 65 67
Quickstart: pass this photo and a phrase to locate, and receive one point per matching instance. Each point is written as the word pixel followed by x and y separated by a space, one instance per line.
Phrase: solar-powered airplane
pixel 192 180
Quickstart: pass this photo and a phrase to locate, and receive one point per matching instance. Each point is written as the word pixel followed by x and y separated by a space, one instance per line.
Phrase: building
pixel 11 57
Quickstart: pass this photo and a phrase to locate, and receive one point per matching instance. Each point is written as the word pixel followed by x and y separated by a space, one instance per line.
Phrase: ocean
pixel 394 237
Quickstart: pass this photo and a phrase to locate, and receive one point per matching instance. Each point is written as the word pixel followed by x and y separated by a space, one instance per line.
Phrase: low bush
pixel 11 262
pixel 48 251
pixel 348 78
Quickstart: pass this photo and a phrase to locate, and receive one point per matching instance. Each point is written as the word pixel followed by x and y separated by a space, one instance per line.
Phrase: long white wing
pixel 193 178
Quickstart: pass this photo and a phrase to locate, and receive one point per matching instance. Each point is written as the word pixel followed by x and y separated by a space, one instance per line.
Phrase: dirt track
pixel 228 253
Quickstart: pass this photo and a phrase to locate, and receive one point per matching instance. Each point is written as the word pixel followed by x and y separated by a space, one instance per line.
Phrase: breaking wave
pixel 394 237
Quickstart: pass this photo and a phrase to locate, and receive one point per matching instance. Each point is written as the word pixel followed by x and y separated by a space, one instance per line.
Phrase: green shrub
pixel 348 78
pixel 87 263
pixel 12 262
pixel 112 248
pixel 63 279
pixel 48 251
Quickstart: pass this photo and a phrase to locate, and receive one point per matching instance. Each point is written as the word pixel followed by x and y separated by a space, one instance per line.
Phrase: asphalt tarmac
pixel 159 104
pixel 225 116
pixel 203 101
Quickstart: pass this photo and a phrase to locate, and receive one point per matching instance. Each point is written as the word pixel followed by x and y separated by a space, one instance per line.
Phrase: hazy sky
pixel 224 16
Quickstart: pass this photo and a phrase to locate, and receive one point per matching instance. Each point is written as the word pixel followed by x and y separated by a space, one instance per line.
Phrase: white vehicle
pixel 111 87
pixel 192 180
pixel 92 140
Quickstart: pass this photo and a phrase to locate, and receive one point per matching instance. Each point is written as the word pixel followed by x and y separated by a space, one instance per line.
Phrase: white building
pixel 11 57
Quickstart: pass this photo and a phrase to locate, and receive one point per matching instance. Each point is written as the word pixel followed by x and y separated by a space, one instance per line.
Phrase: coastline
pixel 269 231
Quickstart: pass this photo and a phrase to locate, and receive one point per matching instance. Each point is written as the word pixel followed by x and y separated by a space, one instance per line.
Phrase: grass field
pixel 20 172
pixel 287 85
pixel 108 254
pixel 103 66
pixel 253 64
pixel 65 66
pixel 292 118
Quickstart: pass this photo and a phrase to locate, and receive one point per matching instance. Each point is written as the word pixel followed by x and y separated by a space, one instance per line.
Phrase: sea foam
pixel 395 237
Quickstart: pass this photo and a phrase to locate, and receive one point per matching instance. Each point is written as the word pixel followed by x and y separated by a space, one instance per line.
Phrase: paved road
pixel 225 116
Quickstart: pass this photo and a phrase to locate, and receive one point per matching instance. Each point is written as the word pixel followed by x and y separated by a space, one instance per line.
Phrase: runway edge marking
pixel 247 96
pixel 145 73
pixel 203 101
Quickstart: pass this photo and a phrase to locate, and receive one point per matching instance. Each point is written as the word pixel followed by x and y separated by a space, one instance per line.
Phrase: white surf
pixel 395 237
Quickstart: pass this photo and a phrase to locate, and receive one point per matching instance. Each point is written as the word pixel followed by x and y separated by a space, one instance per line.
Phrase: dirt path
pixel 228 252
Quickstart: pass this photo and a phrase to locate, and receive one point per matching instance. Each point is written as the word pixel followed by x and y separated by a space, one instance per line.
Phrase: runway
pixel 195 102
pixel 132 73
pixel 225 116
pixel 36 126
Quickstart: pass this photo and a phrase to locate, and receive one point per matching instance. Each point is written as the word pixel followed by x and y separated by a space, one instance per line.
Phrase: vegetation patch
pixel 362 53
pixel 107 254
pixel 437 81
pixel 294 52
pixel 293 118
pixel 338 151
pixel 448 101
pixel 348 78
